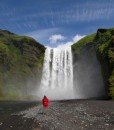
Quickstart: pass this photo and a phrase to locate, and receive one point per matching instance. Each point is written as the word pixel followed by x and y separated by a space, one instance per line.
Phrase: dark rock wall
pixel 88 80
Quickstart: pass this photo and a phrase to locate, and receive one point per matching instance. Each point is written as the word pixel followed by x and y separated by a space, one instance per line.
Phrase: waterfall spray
pixel 57 75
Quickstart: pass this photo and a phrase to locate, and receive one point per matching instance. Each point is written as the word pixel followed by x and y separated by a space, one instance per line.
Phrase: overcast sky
pixel 54 22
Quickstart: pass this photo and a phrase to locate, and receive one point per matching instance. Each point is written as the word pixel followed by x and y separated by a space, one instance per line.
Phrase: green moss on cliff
pixel 87 39
pixel 103 41
pixel 21 61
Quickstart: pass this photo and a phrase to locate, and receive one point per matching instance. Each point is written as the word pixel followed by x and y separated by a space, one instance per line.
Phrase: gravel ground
pixel 64 115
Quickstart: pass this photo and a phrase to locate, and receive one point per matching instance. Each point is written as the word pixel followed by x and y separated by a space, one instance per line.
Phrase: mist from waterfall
pixel 57 75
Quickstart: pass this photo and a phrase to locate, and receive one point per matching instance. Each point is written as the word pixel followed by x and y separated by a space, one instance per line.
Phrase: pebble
pixel 61 115
pixel 1 123
pixel 107 124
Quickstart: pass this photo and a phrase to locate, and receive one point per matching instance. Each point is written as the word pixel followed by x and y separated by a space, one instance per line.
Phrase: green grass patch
pixel 87 39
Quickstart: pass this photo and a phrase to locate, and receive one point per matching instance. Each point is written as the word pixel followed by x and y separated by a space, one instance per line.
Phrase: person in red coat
pixel 45 102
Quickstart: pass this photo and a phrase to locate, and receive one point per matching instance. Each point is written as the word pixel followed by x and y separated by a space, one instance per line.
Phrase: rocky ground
pixel 64 115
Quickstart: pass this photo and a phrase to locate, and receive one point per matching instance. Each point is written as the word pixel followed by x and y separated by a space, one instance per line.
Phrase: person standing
pixel 45 103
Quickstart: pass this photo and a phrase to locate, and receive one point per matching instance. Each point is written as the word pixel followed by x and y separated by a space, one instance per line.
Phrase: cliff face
pixel 21 62
pixel 97 53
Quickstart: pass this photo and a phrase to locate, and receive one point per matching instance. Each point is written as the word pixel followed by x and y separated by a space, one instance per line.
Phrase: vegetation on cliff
pixel 21 61
pixel 103 41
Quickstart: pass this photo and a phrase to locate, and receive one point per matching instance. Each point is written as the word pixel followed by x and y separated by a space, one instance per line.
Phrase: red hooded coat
pixel 45 102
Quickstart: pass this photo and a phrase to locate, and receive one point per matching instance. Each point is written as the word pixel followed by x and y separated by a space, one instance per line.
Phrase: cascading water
pixel 57 75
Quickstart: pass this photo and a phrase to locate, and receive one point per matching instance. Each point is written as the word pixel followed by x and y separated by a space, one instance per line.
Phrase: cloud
pixel 56 38
pixel 42 35
pixel 77 38
pixel 53 37
pixel 66 44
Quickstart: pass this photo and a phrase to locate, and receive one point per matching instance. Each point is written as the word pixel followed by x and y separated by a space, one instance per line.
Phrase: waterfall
pixel 57 75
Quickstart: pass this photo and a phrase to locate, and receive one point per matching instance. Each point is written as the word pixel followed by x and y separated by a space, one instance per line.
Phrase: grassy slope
pixel 103 41
pixel 21 58
pixel 77 46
